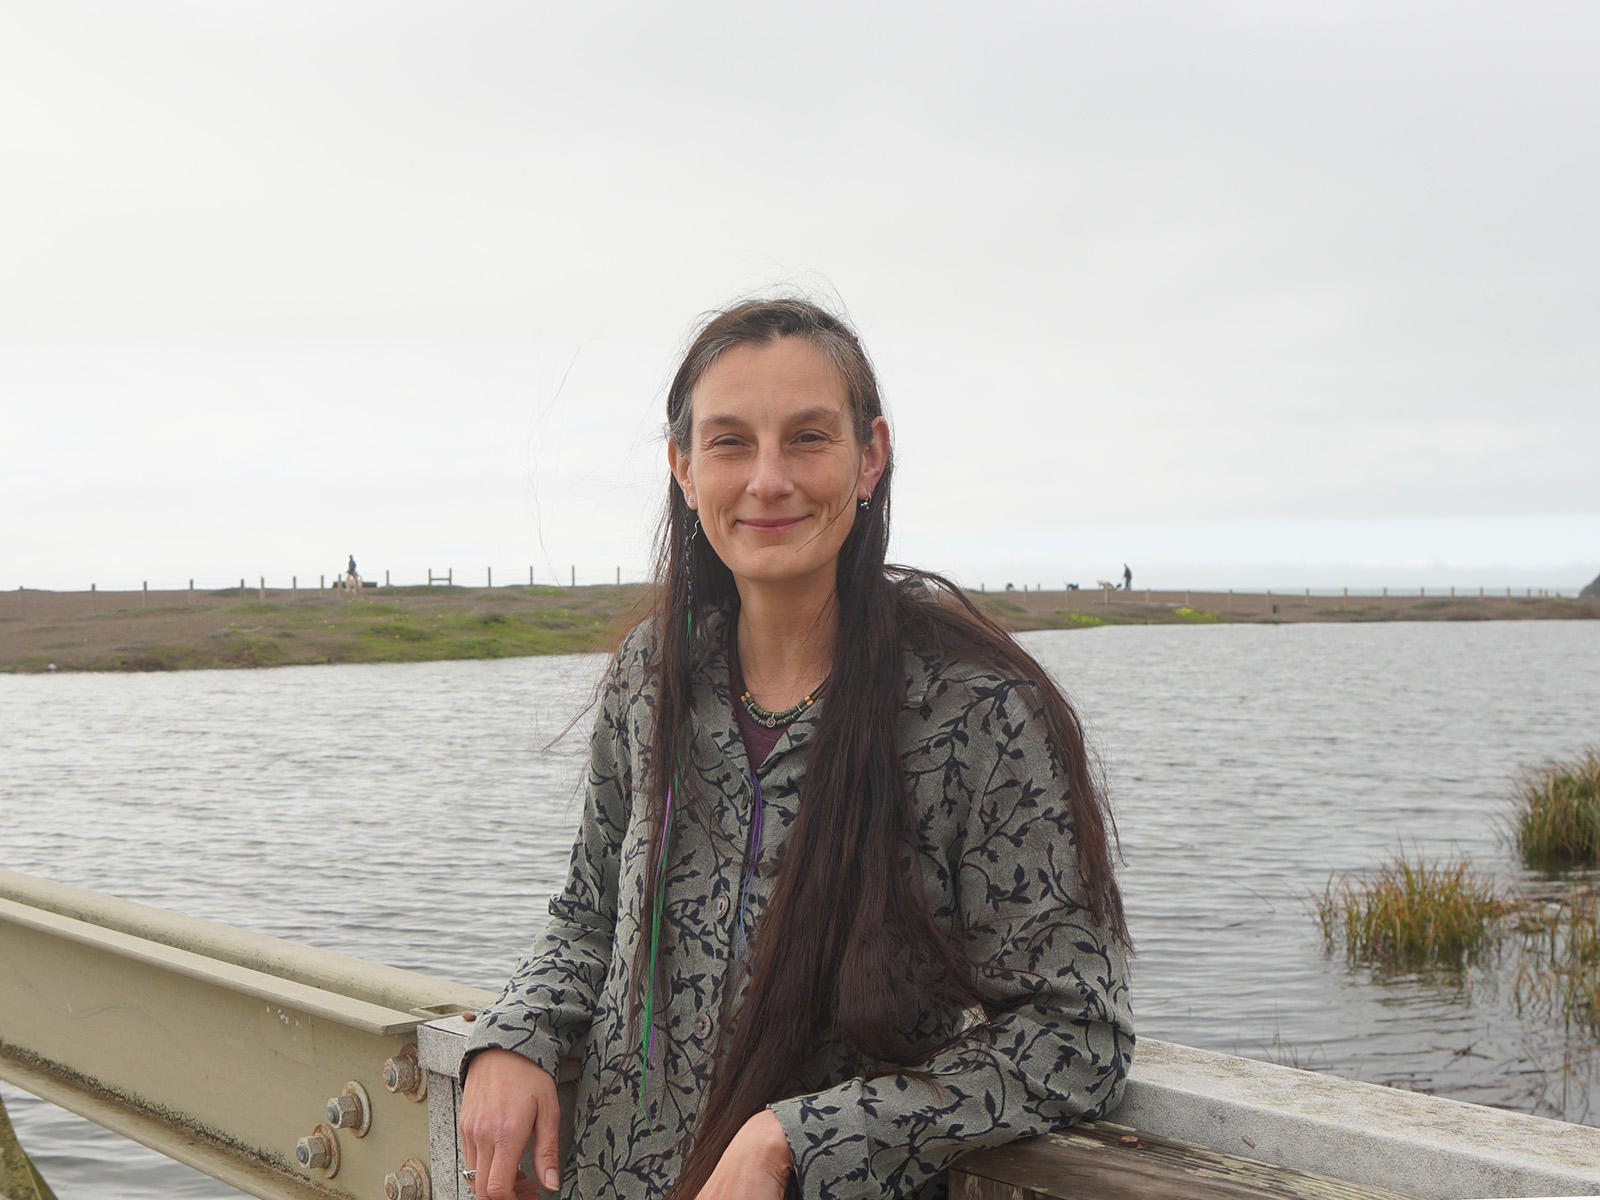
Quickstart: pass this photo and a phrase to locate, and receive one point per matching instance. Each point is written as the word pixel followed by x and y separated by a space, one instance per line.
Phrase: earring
pixel 864 503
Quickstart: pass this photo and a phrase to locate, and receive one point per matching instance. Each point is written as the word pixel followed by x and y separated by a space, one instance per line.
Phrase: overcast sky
pixel 1243 294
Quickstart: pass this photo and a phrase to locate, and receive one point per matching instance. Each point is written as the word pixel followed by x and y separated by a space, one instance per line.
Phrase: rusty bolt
pixel 344 1111
pixel 314 1151
pixel 410 1182
pixel 351 1110
pixel 319 1151
pixel 402 1073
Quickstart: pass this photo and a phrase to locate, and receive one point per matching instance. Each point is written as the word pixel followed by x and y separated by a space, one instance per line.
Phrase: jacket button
pixel 721 906
pixel 702 1026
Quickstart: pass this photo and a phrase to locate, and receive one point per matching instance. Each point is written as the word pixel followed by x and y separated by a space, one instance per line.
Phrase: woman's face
pixel 773 466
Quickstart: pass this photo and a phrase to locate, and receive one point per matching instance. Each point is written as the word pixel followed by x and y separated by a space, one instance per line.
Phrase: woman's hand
pixel 506 1099
pixel 755 1166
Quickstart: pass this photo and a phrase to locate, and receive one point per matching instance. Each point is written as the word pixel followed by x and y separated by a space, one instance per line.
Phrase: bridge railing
pixel 293 1073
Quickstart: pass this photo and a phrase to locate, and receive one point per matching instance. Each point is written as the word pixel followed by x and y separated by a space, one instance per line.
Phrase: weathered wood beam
pixel 1104 1161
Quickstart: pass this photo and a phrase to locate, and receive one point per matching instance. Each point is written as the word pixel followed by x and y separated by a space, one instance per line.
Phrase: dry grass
pixel 1412 913
pixel 1556 822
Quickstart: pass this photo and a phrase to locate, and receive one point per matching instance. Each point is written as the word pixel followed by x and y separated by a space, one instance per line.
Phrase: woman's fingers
pixel 503 1171
pixel 547 1137
pixel 506 1100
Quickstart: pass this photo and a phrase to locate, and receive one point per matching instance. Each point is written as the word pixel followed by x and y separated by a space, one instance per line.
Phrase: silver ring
pixel 469 1175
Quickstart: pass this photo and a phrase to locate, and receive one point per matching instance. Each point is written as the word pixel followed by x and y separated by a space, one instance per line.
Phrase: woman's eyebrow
pixel 814 416
pixel 821 414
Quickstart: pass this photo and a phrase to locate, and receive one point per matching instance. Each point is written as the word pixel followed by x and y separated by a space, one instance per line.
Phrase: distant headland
pixel 269 627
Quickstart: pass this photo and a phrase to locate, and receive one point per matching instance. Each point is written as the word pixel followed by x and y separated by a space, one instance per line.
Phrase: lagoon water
pixel 415 815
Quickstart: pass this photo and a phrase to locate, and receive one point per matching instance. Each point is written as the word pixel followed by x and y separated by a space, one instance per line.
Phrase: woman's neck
pixel 785 645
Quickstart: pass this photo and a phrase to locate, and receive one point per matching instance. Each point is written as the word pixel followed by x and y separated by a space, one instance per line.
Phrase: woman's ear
pixel 874 457
pixel 679 465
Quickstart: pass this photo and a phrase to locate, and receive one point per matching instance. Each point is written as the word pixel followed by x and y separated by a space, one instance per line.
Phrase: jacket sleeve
pixel 545 1009
pixel 1058 1049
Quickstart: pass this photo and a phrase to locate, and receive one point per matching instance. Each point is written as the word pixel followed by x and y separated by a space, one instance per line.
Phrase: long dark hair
pixel 848 933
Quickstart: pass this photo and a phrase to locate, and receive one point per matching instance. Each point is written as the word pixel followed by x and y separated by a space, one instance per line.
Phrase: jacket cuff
pixel 492 1032
pixel 828 1140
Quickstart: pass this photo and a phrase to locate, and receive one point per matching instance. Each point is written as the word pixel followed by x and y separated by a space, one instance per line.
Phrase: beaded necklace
pixel 770 719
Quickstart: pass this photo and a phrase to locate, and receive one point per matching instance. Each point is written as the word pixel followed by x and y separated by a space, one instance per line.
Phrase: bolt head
pixel 402 1075
pixel 344 1112
pixel 313 1151
pixel 404 1184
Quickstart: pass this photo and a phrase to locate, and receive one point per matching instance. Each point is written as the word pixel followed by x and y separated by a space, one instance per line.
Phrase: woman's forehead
pixel 788 378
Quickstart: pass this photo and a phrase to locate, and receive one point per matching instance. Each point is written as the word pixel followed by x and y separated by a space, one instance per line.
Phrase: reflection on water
pixel 413 815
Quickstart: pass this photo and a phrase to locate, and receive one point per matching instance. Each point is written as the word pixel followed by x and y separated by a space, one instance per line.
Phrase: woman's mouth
pixel 770 524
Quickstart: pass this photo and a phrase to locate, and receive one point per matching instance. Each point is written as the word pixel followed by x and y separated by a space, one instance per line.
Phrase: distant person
pixel 842 904
pixel 351 570
pixel 1127 578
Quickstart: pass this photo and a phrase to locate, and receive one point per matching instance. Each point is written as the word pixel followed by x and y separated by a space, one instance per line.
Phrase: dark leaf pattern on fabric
pixel 995 848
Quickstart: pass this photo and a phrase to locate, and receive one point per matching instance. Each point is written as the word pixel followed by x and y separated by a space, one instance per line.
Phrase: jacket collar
pixel 713 699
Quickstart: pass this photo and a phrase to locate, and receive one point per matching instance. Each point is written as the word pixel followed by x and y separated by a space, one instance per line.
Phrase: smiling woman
pixel 842 904
pixel 774 469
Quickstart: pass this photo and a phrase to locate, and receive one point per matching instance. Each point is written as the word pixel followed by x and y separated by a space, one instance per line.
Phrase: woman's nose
pixel 769 475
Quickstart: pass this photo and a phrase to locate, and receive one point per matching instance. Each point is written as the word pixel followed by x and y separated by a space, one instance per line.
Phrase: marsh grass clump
pixel 1556 819
pixel 1412 913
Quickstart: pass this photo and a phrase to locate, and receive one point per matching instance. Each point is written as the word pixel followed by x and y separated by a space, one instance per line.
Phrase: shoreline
pixel 42 631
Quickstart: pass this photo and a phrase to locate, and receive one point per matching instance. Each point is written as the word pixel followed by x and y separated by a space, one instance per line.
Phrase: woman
pixel 841 905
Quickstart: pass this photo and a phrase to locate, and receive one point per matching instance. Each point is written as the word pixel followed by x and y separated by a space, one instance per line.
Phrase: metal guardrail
pixel 297 1074
pixel 257 1061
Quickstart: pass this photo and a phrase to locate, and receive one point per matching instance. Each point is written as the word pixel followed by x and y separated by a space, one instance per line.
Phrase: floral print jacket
pixel 997 856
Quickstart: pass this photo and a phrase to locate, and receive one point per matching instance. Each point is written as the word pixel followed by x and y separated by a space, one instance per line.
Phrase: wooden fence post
pixel 144 593
pixel 261 592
